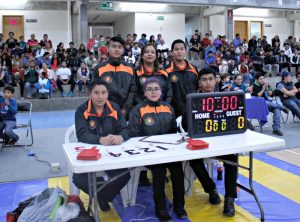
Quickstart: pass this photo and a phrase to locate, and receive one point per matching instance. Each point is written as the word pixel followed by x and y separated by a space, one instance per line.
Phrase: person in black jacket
pixel 184 79
pixel 118 75
pixel 99 121
pixel 154 117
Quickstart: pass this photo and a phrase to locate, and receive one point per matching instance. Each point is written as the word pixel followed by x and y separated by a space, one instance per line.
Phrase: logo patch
pixel 143 80
pixel 174 78
pixel 149 121
pixel 107 79
pixel 92 124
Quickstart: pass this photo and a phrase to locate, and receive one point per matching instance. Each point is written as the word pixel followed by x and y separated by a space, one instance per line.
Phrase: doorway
pixel 241 27
pixel 13 23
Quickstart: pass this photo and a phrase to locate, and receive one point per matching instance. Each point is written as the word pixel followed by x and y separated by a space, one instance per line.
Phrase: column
pixel 83 22
pixel 228 13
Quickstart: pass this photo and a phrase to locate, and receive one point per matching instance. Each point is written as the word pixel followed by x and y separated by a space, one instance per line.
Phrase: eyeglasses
pixel 153 90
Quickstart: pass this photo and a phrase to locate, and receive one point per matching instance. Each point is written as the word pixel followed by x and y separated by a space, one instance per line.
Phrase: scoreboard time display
pixel 214 114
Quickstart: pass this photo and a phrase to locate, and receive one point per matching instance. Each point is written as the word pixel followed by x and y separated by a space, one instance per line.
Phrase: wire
pixel 42 161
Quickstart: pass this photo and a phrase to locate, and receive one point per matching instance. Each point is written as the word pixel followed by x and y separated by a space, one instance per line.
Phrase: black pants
pixel 109 192
pixel 296 65
pixel 284 65
pixel 60 83
pixel 159 172
pixel 208 184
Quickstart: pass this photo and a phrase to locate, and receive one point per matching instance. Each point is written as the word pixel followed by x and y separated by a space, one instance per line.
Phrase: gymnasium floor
pixel 277 184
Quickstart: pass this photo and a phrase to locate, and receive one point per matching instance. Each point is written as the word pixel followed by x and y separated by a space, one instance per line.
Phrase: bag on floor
pixel 14 215
pixel 44 206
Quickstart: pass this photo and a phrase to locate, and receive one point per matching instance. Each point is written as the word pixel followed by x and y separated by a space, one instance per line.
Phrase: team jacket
pixel 120 80
pixel 8 112
pixel 152 118
pixel 161 75
pixel 184 81
pixel 90 126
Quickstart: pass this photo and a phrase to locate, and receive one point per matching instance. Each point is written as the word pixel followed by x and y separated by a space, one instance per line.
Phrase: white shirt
pixel 136 52
pixel 49 72
pixel 43 82
pixel 163 47
pixel 39 53
pixel 64 73
pixel 288 52
pixel 130 60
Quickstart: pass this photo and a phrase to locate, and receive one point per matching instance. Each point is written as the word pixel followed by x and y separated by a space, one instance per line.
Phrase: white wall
pixel 191 24
pixel 171 28
pixel 125 25
pixel 217 25
pixel 52 22
pixel 297 29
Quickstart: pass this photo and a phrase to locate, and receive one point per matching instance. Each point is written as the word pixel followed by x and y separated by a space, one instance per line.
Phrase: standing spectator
pixel 237 41
pixel 45 40
pixel 11 41
pixel 32 42
pixel 83 77
pixel 31 79
pixel 118 75
pixel 43 86
pixel 287 93
pixel 295 60
pixel 276 41
pixel 9 109
pixel 143 41
pixel 64 77
pixel 283 61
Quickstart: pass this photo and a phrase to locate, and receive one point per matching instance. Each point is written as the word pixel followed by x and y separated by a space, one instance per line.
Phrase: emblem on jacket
pixel 149 121
pixel 92 124
pixel 174 78
pixel 143 80
pixel 107 79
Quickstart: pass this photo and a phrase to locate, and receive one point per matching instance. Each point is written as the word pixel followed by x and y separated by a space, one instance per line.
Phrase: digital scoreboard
pixel 214 114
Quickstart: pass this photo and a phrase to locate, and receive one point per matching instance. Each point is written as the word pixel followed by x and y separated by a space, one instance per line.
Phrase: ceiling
pixel 105 17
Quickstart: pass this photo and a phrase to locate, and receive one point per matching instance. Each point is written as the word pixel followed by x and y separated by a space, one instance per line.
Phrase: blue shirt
pixel 8 112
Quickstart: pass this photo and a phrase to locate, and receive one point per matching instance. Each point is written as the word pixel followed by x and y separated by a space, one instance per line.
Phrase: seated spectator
pixel 238 52
pixel 226 82
pixel 18 78
pixel 45 40
pixel 233 68
pixel 270 64
pixel 31 79
pixel 32 42
pixel 16 61
pixel 83 77
pixel 49 49
pixel 297 85
pixel 287 93
pixel 283 61
pixel 82 51
pixel 295 60
pixel 194 47
pixel 22 42
pixel 263 89
pixel 17 50
pixel 72 50
pixel 143 41
pixel 91 61
pixel 228 55
pixel 43 86
pixel 64 77
pixel 209 48
pixel 5 60
pixel 238 85
pixel 237 40
pixel 129 58
pixel 205 40
pixel 45 59
pixel 218 86
pixel 287 50
pixel 218 42
pixel 258 63
pixel 127 48
pixel 28 50
pixel 9 109
pixel 60 51
pixel 55 62
pixel 152 39
pixel 248 79
pixel 245 57
pixel 252 44
pixel 218 58
pixel 243 68
pixel 163 49
pixel 39 52
pixel 4 76
pixel 136 51
pixel 223 68
pixel 129 40
pixel 50 75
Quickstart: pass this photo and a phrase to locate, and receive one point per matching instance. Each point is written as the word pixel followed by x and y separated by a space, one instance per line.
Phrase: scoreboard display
pixel 214 114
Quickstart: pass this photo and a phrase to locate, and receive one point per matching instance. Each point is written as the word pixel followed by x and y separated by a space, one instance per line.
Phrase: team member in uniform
pixel 149 68
pixel 154 117
pixel 118 75
pixel 208 81
pixel 99 121
pixel 183 77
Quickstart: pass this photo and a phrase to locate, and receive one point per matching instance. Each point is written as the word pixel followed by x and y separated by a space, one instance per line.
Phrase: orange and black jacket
pixel 90 126
pixel 184 81
pixel 121 82
pixel 161 75
pixel 152 118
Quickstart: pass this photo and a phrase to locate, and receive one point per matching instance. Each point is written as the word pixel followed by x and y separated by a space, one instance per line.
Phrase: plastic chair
pixel 188 171
pixel 26 108
pixel 70 137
